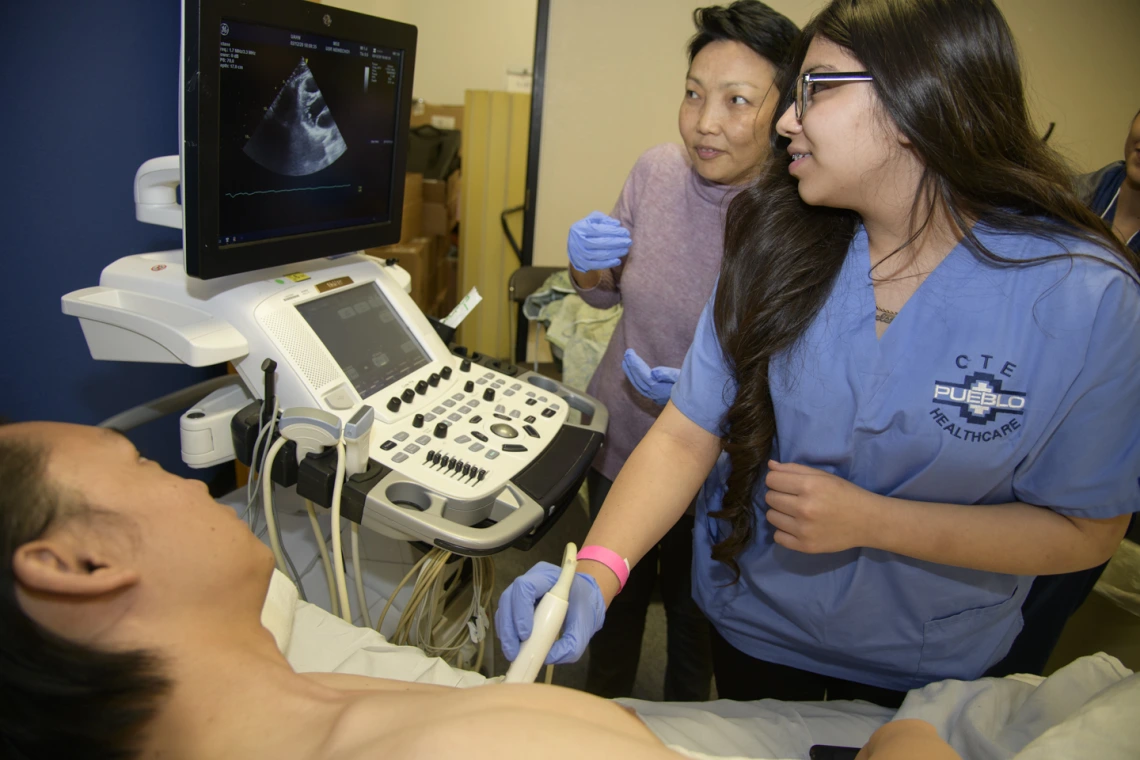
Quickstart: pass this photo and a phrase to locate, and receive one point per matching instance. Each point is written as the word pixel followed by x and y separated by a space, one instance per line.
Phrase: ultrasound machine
pixel 294 131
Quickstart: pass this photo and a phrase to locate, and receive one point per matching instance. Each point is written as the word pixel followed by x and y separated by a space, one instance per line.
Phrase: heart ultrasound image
pixel 298 135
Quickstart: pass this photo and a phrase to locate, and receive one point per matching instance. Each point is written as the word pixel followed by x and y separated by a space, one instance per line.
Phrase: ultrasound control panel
pixel 466 452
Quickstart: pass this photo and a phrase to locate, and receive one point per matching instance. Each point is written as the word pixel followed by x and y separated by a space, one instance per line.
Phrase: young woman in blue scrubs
pixel 914 388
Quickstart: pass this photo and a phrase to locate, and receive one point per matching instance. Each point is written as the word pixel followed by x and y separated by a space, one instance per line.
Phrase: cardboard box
pixel 441 202
pixel 454 184
pixel 435 190
pixel 440 117
pixel 411 221
pixel 417 258
pixel 435 220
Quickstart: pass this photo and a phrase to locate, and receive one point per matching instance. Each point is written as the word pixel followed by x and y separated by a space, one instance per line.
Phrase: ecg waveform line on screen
pixel 289 190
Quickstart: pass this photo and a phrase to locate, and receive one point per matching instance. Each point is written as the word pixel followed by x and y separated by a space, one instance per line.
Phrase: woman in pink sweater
pixel 658 255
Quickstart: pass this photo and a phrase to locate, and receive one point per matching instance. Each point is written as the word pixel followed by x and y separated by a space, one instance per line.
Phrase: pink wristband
pixel 611 559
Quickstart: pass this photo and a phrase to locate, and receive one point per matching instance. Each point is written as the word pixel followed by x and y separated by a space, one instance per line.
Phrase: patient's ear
pixel 60 565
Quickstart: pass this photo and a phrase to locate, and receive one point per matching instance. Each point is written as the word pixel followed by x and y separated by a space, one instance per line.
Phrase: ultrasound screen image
pixel 298 135
pixel 307 128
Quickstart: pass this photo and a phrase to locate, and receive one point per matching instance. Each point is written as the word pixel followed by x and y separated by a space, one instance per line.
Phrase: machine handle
pixel 430 525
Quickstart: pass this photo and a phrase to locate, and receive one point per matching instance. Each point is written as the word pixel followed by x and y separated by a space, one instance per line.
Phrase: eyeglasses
pixel 805 88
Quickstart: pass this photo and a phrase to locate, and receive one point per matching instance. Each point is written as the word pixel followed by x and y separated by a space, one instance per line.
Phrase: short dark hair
pixel 59 698
pixel 750 22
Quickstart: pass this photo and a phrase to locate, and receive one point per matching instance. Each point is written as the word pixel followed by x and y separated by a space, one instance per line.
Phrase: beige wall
pixel 463 44
pixel 611 93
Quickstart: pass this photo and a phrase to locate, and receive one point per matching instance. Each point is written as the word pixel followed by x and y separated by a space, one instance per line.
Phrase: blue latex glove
pixel 584 613
pixel 655 384
pixel 597 242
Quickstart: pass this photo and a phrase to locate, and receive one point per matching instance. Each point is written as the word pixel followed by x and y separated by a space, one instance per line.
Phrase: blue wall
pixel 92 93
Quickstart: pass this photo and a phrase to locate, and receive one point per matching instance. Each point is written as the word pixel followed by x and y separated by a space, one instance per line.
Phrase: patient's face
pixel 183 541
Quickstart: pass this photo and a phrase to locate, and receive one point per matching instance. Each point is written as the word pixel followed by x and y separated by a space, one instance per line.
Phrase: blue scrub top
pixel 993 384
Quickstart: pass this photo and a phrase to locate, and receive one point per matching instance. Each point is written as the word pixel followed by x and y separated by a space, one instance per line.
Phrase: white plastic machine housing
pixel 147 309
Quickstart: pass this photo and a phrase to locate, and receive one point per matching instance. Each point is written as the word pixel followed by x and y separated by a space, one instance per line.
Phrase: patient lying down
pixel 130 626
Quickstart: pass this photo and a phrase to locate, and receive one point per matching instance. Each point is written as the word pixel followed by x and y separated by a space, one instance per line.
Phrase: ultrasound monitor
pixel 294 132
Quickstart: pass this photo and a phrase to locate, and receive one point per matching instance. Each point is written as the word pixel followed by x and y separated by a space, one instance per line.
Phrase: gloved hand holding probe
pixel 515 616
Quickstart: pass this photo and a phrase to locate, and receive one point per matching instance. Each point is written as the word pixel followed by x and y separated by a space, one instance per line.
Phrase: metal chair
pixel 523 282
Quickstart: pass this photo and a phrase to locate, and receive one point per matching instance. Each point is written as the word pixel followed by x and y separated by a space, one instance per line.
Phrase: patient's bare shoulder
pixel 348 682
pixel 500 722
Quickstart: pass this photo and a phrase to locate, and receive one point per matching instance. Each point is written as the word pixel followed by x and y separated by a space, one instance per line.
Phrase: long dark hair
pixel 947 73
pixel 59 698
pixel 769 34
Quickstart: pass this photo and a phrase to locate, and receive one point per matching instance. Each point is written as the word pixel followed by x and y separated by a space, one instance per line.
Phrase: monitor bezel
pixel 200 117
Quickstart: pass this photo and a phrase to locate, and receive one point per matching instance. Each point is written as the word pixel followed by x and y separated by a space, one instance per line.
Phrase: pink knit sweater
pixel 676 220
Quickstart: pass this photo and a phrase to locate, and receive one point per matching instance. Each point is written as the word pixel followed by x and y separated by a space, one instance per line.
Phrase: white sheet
pixel 1090 709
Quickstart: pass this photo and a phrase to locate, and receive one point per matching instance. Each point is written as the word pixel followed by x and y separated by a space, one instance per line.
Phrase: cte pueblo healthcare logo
pixel 979 399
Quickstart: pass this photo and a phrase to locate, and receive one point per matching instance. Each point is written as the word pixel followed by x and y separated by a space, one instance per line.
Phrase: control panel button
pixel 429 417
pixel 408 395
pixel 548 412
pixel 515 414
pixel 445 373
pixel 492 454
pixel 500 409
pixel 463 439
pixel 514 448
pixel 418 421
pixel 394 404
pixel 503 417
pixel 469 386
pixel 424 440
pixel 433 380
pixel 531 402
pixel 489 394
pixel 508 393
pixel 530 431
pixel 411 448
pixel 421 387
pixel 458 397
pixel 504 431
pixel 479 435
pixel 388 445
pixel 529 419
pixel 476 420
pixel 490 375
pixel 465 365
pixel 401 436
pixel 399 456
pixel 516 387
pixel 464 410
pixel 449 402
pixel 473 403
pixel 475 447
pixel 441 430
pixel 454 417
pixel 438 410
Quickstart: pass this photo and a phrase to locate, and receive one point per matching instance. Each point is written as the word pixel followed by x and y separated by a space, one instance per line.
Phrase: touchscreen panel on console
pixel 365 336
